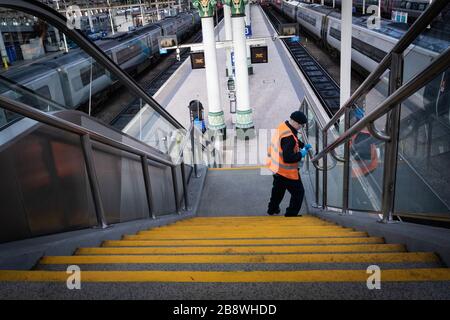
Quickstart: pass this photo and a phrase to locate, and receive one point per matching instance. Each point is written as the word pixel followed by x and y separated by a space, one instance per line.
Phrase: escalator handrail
pixel 51 120
pixel 413 32
pixel 57 20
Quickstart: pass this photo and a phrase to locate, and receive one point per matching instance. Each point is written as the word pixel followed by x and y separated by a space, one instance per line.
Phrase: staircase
pixel 238 257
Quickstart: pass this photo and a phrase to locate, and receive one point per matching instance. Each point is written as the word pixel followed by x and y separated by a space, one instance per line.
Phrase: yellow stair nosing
pixel 371 258
pixel 304 276
pixel 244 236
pixel 243 249
pixel 307 241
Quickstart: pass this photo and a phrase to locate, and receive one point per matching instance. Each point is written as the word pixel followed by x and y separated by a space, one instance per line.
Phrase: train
pixel 65 79
pixel 414 8
pixel 369 45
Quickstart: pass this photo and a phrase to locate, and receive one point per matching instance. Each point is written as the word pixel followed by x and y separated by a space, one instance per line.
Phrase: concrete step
pixel 432 290
pixel 275 235
pixel 371 258
pixel 240 266
pixel 392 275
pixel 239 258
pixel 242 242
pixel 244 249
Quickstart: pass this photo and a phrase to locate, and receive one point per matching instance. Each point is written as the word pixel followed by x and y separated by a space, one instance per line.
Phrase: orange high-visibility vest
pixel 361 167
pixel 275 160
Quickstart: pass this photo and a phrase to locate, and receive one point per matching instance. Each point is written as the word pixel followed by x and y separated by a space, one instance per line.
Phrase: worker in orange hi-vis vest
pixel 284 154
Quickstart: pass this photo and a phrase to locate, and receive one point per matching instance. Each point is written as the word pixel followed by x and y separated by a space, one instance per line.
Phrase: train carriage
pixel 290 8
pixel 71 79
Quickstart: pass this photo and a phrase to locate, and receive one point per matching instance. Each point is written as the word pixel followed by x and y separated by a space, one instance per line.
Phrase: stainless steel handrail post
pixel 417 82
pixel 317 170
pixel 305 110
pixel 391 148
pixel 86 146
pixel 148 187
pixel 194 158
pixel 325 171
pixel 185 190
pixel 173 169
pixel 346 169
pixel 413 32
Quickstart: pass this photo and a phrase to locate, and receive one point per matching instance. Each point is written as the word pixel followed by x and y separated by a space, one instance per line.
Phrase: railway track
pixel 326 89
pixel 152 85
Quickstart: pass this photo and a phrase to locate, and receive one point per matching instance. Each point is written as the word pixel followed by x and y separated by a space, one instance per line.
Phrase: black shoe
pixel 270 213
pixel 292 215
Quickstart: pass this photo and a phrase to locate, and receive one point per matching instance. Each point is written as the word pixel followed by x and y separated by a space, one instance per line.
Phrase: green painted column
pixel 216 119
pixel 244 115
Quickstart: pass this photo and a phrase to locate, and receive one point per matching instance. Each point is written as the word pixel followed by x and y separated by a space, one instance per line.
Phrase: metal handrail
pixel 311 154
pixel 415 30
pixel 435 68
pixel 56 122
pixel 17 87
pixel 86 135
pixel 57 20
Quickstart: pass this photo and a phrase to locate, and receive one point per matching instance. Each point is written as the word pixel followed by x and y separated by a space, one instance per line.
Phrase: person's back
pixel 284 154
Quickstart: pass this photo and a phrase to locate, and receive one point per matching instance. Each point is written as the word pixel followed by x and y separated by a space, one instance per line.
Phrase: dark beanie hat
pixel 299 117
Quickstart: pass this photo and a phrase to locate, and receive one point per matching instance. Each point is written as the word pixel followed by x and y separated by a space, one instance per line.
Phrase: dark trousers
pixel 295 188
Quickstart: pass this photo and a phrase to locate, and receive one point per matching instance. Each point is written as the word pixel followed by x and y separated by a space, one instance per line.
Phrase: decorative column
pixel 228 37
pixel 216 119
pixel 248 23
pixel 346 50
pixel 244 117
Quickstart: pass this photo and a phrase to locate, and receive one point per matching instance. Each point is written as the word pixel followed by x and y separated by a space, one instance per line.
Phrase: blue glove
pixel 303 152
pixel 307 147
pixel 359 113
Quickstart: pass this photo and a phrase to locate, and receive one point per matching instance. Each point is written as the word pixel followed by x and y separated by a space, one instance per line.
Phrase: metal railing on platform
pixel 390 107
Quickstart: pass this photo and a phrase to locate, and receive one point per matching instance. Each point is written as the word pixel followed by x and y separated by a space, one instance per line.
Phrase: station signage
pixel 258 54
pixel 248 31
pixel 198 60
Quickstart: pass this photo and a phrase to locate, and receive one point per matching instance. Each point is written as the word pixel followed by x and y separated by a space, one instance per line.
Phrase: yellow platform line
pixel 396 275
pixel 256 258
pixel 245 236
pixel 244 250
pixel 317 241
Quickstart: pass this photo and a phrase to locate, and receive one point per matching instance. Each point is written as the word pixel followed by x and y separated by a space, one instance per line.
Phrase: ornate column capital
pixel 205 7
pixel 237 7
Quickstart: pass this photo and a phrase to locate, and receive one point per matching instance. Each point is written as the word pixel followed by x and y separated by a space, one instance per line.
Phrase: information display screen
pixel 197 60
pixel 259 54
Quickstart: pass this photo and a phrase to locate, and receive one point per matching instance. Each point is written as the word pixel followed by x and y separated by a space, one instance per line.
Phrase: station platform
pixel 276 90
